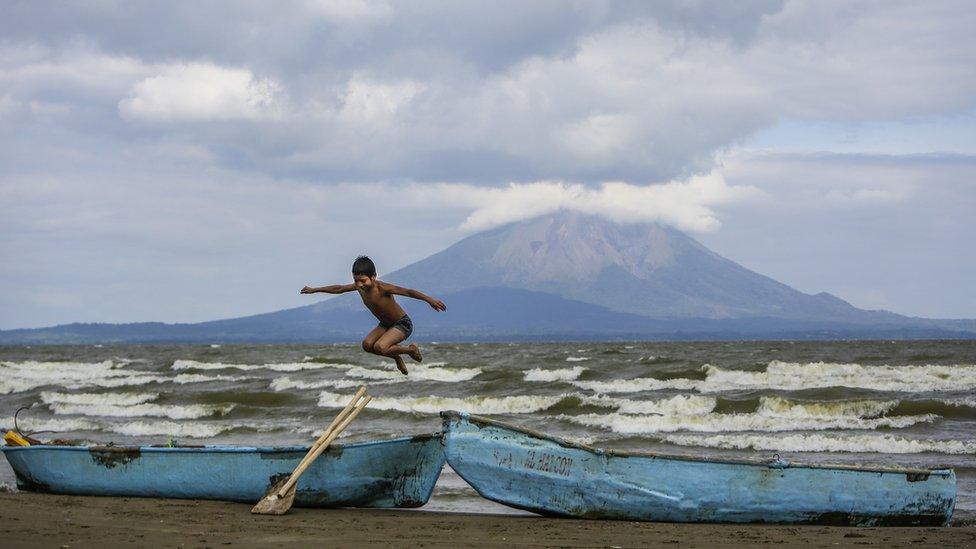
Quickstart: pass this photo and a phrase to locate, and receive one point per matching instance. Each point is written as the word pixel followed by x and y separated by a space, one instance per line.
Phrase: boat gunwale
pixel 774 463
pixel 218 449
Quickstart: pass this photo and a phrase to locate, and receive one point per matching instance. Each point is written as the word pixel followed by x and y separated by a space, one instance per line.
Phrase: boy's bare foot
pixel 415 353
pixel 400 365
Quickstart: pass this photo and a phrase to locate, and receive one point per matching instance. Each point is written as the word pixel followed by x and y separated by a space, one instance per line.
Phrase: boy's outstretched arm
pixel 333 289
pixel 435 304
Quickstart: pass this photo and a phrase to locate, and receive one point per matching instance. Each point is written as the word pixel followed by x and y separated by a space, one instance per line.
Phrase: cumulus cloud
pixel 624 92
pixel 351 11
pixel 683 204
pixel 200 91
pixel 354 114
pixel 376 102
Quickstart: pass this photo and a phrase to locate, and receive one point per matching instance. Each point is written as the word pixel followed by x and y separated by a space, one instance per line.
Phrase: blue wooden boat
pixel 529 470
pixel 390 473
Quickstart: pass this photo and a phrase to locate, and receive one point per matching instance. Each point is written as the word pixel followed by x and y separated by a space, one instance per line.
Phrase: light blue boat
pixel 529 470
pixel 390 473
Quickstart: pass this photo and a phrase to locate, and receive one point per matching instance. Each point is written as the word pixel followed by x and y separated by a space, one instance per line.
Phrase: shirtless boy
pixel 395 326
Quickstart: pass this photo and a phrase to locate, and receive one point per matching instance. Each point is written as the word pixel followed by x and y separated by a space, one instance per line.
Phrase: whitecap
pixel 856 443
pixel 418 372
pixel 681 405
pixel 637 385
pixel 286 383
pixel 183 379
pixel 577 358
pixel 561 374
pixel 780 407
pixel 171 411
pixel 114 399
pixel 524 404
pixel 793 376
pixel 190 429
pixel 16 377
pixel 183 364
pixel 719 423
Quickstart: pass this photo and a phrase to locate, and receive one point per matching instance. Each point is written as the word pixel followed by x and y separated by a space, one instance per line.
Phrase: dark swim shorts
pixel 405 325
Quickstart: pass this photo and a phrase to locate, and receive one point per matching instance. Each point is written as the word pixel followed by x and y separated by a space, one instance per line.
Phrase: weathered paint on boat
pixel 551 476
pixel 390 473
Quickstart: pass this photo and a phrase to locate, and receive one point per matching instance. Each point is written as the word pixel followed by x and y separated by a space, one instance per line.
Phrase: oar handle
pixel 335 421
pixel 321 447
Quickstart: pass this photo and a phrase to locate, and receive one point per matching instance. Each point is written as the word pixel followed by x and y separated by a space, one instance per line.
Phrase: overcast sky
pixel 187 161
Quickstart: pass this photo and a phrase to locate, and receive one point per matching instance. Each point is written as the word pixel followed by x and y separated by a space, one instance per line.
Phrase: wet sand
pixel 33 520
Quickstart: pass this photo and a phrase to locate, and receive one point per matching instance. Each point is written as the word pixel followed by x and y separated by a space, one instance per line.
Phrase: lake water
pixel 893 402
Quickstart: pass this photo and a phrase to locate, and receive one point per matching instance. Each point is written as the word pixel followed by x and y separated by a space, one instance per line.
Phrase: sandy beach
pixel 33 520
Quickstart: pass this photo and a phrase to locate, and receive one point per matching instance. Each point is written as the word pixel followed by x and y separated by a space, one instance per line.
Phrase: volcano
pixel 561 276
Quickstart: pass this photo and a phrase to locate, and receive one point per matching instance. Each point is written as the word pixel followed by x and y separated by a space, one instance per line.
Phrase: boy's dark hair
pixel 363 266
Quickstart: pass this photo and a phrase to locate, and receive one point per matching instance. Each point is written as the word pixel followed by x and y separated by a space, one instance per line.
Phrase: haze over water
pixel 893 402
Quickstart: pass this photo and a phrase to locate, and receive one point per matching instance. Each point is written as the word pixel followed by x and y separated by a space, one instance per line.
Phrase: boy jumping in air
pixel 395 326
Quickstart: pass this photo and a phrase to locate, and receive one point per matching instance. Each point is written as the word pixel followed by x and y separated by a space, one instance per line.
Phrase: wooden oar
pixel 281 496
pixel 335 421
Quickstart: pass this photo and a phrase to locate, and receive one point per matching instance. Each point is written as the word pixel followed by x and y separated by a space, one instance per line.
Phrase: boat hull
pixel 391 473
pixel 528 470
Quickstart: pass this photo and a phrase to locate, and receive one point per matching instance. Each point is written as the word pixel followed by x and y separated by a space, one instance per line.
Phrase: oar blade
pixel 272 503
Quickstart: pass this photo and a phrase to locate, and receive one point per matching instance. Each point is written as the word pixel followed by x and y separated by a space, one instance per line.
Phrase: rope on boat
pixel 17 427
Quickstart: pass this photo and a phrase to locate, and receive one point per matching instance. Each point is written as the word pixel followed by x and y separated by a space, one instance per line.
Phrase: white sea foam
pixel 638 385
pixel 171 411
pixel 190 429
pixel 678 405
pixel 183 364
pixel 793 376
pixel 200 378
pixel 286 383
pixel 718 423
pixel 773 406
pixel 858 443
pixel 561 374
pixel 16 377
pixel 525 404
pixel 57 425
pixel 577 358
pixel 968 402
pixel 112 399
pixel 418 372
pixel 774 414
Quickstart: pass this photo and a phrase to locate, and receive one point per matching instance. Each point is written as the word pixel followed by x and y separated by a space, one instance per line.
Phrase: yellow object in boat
pixel 14 439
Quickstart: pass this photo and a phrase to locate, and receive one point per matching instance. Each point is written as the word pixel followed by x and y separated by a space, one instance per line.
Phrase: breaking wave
pixel 171 411
pixel 286 383
pixel 723 423
pixel 637 385
pixel 562 374
pixel 795 376
pixel 167 428
pixel 134 428
pixel 526 404
pixel 679 405
pixel 127 405
pixel 577 358
pixel 17 377
pixel 200 378
pixel 114 399
pixel 773 414
pixel 182 364
pixel 418 372
pixel 792 376
pixel 855 443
